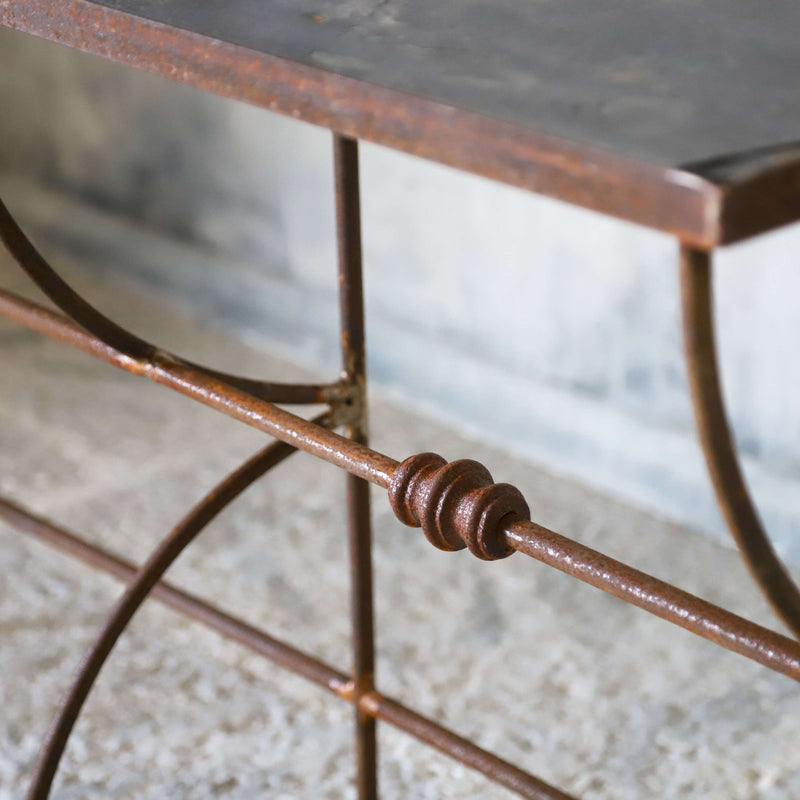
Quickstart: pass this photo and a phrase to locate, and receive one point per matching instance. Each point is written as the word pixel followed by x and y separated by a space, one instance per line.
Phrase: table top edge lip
pixel 703 204
pixel 759 189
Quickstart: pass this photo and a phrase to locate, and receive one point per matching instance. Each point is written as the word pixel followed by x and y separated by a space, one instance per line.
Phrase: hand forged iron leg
pixel 351 298
pixel 717 442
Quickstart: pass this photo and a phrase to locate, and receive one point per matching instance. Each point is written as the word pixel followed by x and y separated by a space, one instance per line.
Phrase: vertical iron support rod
pixel 351 298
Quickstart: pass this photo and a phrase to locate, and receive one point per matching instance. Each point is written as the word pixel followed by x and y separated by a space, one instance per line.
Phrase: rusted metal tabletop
pixel 681 116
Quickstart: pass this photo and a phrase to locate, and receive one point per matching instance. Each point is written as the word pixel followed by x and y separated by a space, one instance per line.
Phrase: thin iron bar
pixel 729 630
pixel 90 319
pixel 277 422
pixel 132 598
pixel 285 655
pixel 272 392
pixel 351 299
pixel 183 602
pixel 739 635
pixel 717 442
pixel 444 740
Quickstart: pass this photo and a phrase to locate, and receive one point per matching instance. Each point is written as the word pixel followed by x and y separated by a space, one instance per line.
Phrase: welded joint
pixel 348 403
pixel 370 703
pixel 456 504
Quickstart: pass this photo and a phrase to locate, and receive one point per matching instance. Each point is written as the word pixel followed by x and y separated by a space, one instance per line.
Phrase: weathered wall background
pixel 548 329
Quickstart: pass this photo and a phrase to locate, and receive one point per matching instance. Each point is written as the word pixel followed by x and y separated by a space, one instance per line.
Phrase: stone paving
pixel 591 694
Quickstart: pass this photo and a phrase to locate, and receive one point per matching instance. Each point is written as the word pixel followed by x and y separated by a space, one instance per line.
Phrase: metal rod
pixel 351 301
pixel 132 598
pixel 729 630
pixel 655 596
pixel 277 422
pixel 466 752
pixel 283 654
pixel 718 445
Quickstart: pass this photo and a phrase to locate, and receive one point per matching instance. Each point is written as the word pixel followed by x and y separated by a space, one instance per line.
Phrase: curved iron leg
pixel 133 596
pixel 717 442
pixel 107 331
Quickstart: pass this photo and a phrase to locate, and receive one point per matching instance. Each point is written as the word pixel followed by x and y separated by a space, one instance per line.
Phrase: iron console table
pixel 682 117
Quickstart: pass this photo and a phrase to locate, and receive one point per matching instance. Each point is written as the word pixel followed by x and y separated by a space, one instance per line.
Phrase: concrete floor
pixel 592 695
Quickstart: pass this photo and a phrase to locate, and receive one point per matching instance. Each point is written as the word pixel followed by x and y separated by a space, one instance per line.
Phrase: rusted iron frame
pixel 354 362
pixel 287 656
pixel 511 532
pixel 717 442
pixel 705 619
pixel 591 177
pixel 136 592
pixel 93 321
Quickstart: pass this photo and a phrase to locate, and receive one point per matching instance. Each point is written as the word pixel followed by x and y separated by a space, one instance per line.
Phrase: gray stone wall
pixel 548 329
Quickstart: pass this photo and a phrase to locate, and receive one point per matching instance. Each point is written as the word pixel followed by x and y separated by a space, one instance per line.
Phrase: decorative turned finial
pixel 457 505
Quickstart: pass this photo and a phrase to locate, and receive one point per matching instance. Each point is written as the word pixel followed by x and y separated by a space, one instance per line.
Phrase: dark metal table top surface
pixel 655 92
pixel 668 81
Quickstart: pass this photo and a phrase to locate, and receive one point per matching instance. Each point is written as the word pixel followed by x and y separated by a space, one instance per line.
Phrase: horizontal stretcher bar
pixel 705 619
